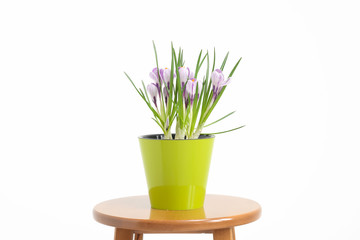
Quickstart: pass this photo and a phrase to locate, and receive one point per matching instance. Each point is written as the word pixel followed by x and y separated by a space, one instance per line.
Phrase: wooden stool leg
pixel 224 234
pixel 123 234
pixel 138 236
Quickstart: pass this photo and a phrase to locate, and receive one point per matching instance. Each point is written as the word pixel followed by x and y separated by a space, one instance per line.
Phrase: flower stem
pixel 168 135
pixel 198 131
pixel 180 133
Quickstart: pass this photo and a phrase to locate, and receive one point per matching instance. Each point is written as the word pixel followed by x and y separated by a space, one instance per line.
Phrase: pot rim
pixel 158 137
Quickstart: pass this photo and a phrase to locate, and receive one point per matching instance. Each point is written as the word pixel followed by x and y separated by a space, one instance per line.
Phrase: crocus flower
pixel 191 89
pixel 154 76
pixel 165 76
pixel 153 91
pixel 185 74
pixel 218 82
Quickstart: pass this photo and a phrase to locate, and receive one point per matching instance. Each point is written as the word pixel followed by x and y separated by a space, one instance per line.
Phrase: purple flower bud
pixel 191 89
pixel 166 77
pixel 184 74
pixel 153 91
pixel 154 76
pixel 218 82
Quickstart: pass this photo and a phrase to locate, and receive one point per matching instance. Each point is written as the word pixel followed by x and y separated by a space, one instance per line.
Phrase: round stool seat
pixel 136 214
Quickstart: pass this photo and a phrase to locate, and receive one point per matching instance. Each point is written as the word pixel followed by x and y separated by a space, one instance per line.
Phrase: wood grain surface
pixel 136 214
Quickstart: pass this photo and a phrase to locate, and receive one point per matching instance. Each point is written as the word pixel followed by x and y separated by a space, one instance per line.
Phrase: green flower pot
pixel 176 170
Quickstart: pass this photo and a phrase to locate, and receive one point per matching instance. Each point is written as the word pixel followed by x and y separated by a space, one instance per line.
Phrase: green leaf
pixel 133 85
pixel 195 110
pixel 182 58
pixel 213 105
pixel 171 102
pixel 214 61
pixel 179 101
pixel 162 100
pixel 220 119
pixel 142 95
pixel 146 94
pixel 197 65
pixel 156 58
pixel 234 68
pixel 172 118
pixel 205 91
pixel 224 62
pixel 159 124
pixel 225 131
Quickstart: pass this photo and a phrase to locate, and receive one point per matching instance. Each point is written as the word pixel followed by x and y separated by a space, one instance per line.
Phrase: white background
pixel 69 119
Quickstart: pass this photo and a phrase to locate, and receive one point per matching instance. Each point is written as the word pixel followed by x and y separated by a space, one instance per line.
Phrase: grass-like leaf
pixel 141 93
pixel 147 96
pixel 220 119
pixel 133 85
pixel 162 128
pixel 213 67
pixel 234 68
pixel 224 62
pixel 156 58
pixel 197 65
pixel 226 130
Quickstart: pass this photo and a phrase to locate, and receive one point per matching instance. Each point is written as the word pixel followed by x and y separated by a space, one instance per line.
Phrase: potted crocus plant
pixel 177 164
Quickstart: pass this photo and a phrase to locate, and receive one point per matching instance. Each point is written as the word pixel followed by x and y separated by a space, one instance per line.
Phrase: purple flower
pixel 191 90
pixel 218 82
pixel 154 76
pixel 165 76
pixel 153 91
pixel 185 74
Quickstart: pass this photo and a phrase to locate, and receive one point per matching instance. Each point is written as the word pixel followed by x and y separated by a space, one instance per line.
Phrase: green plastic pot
pixel 176 170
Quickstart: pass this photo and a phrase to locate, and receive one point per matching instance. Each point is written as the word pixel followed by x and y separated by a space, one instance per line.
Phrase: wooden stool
pixel 134 215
